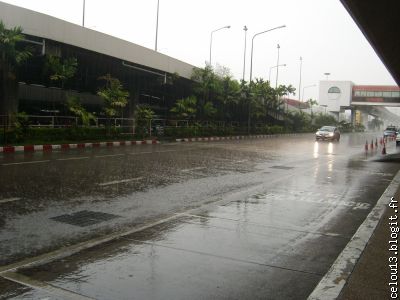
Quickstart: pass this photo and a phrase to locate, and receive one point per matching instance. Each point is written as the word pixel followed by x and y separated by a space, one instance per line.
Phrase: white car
pixel 398 139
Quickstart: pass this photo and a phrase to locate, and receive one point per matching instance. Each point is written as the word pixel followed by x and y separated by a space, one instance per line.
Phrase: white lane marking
pixel 109 155
pixel 119 181
pixel 241 221
pixel 43 286
pixel 151 152
pixel 240 161
pixel 193 169
pixel 167 151
pixel 137 153
pixel 331 285
pixel 9 200
pixel 73 158
pixel 26 162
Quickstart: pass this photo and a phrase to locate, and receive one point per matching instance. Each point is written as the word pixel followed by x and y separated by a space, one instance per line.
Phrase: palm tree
pixel 11 56
pixel 114 98
pixel 185 108
pixel 61 71
pixel 113 95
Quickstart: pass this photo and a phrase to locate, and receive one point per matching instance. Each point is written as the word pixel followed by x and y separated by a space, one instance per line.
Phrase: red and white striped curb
pixel 33 148
pixel 238 137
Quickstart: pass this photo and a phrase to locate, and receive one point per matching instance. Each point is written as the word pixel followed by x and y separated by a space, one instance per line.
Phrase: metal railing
pixel 154 127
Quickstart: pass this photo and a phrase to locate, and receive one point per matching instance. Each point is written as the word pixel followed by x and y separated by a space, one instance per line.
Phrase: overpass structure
pixel 361 100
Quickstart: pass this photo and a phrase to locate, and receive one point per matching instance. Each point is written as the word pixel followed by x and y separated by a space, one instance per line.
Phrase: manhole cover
pixel 282 167
pixel 84 218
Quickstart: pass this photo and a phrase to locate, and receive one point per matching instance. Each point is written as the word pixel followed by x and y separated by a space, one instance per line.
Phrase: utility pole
pixel 158 6
pixel 277 68
pixel 244 56
pixel 301 63
pixel 83 17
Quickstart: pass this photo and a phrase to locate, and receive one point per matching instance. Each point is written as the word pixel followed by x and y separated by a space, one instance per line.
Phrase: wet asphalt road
pixel 248 219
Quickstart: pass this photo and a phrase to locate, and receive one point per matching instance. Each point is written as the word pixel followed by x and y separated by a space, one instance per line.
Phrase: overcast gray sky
pixel 320 31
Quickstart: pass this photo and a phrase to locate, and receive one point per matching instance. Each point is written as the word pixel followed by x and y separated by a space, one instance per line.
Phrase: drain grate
pixel 282 167
pixel 84 218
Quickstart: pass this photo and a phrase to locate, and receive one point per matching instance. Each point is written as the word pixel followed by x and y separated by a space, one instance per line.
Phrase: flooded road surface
pixel 248 219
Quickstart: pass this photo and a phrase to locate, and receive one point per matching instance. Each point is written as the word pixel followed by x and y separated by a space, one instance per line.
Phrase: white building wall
pixel 336 95
pixel 44 26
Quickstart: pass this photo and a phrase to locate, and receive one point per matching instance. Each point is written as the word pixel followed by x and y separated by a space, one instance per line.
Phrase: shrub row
pixel 47 135
pixel 71 134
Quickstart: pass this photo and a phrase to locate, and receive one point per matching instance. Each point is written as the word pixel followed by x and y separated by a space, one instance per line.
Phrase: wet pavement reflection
pixel 251 219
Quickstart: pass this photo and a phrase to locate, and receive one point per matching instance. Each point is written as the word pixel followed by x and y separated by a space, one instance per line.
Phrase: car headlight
pixel 330 133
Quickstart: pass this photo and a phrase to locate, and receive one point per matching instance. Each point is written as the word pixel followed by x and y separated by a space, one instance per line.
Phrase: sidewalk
pixel 371 275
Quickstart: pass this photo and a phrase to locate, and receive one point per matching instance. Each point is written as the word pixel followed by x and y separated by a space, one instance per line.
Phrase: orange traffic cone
pixel 376 143
pixel 372 145
pixel 384 149
pixel 366 145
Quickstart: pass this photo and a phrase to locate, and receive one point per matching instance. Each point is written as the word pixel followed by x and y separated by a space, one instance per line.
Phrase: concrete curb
pixel 36 148
pixel 335 279
pixel 51 147
pixel 237 137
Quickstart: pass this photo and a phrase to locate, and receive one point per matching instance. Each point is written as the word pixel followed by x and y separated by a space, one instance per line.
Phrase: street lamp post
pixel 327 75
pixel 211 37
pixel 245 44
pixel 277 69
pixel 83 15
pixel 158 9
pixel 270 69
pixel 301 64
pixel 251 68
pixel 252 44
pixel 307 86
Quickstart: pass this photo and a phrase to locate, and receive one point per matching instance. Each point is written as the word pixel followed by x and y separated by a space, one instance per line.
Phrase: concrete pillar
pixel 364 119
pixel 353 115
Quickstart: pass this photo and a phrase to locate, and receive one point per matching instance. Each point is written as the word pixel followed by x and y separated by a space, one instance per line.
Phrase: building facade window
pixel 396 94
pixel 385 94
pixel 333 90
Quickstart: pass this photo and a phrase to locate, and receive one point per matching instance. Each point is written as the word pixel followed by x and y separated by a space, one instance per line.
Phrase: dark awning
pixel 379 21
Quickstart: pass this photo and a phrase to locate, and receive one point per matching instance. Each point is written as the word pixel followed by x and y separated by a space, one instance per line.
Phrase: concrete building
pixel 151 77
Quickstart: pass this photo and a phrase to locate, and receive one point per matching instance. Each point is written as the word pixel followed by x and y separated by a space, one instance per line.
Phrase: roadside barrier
pixel 374 146
pixel 34 148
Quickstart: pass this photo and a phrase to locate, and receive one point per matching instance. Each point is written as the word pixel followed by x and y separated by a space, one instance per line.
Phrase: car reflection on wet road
pixel 248 219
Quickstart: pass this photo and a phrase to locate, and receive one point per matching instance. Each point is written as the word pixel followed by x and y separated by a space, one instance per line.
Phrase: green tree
pixel 185 108
pixel 12 55
pixel 114 96
pixel 205 85
pixel 61 70
pixel 229 97
pixel 209 110
pixel 311 103
pixel 300 121
pixel 326 119
pixel 74 105
pixel 144 115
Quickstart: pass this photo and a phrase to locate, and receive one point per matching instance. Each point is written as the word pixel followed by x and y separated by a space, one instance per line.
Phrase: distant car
pixel 390 131
pixel 330 133
pixel 398 139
